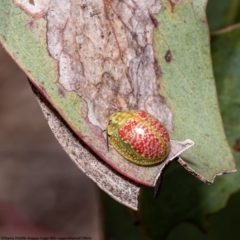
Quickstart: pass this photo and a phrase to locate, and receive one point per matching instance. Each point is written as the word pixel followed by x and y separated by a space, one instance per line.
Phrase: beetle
pixel 139 137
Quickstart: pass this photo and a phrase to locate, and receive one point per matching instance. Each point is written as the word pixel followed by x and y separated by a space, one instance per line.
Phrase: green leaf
pixel 222 13
pixel 221 225
pixel 188 231
pixel 182 49
pixel 226 55
pixel 34 42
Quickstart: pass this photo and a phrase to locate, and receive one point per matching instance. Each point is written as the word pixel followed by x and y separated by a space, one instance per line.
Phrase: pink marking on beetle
pixel 141 139
pixel 154 122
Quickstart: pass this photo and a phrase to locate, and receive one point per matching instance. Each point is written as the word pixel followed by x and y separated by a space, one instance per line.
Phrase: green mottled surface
pixel 189 88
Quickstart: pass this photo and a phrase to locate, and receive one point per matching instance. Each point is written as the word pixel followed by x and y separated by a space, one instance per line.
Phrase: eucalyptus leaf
pixel 183 51
pixel 38 39
pixel 51 42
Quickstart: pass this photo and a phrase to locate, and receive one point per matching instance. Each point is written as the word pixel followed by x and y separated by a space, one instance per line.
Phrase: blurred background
pixel 42 192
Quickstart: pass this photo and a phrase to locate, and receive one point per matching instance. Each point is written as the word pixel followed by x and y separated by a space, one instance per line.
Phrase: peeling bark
pixel 105 54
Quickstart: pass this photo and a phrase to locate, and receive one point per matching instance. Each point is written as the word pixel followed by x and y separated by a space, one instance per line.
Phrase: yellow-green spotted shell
pixel 138 136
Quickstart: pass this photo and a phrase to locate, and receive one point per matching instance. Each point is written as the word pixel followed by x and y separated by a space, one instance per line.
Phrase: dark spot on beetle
pixel 236 147
pixel 168 56
pixel 102 36
pixel 83 6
